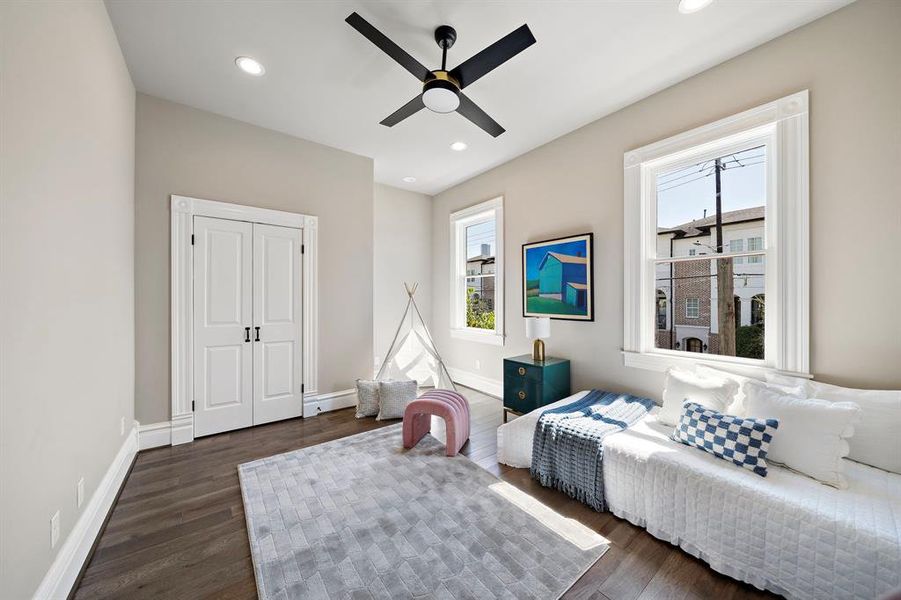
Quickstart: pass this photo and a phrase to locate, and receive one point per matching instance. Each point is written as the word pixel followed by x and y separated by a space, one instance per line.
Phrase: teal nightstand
pixel 529 384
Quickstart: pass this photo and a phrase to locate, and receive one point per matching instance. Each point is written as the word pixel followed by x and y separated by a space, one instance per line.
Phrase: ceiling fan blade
pixel 387 46
pixel 471 111
pixel 493 56
pixel 407 110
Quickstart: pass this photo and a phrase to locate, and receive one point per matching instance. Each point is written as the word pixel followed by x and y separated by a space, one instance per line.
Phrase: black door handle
pixel 258 334
pixel 247 334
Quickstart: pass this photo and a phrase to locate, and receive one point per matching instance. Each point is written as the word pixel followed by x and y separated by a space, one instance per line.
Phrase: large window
pixel 711 205
pixel 716 218
pixel 477 272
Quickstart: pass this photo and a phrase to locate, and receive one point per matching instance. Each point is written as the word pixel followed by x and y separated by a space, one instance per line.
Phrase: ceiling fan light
pixel 440 96
pixel 686 7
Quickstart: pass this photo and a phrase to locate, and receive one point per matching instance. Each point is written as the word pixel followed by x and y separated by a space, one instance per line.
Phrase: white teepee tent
pixel 414 356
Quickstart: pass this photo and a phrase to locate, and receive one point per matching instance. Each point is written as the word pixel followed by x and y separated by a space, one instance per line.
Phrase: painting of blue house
pixel 556 274
pixel 557 278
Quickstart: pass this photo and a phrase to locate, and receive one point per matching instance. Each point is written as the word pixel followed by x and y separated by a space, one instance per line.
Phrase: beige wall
pixel 403 251
pixel 185 151
pixel 849 62
pixel 67 271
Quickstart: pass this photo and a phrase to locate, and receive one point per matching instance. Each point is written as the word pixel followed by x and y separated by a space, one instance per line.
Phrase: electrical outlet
pixel 79 493
pixel 122 426
pixel 54 529
pixel 478 365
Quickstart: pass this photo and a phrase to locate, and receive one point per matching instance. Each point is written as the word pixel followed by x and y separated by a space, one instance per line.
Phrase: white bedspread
pixel 786 533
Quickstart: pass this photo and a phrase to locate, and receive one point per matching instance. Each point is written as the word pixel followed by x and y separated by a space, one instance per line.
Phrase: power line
pixel 702 167
pixel 704 176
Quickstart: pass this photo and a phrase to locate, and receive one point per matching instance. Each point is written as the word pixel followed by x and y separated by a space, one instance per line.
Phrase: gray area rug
pixel 360 517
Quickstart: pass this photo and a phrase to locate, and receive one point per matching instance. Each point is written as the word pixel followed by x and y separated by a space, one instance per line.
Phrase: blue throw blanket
pixel 568 447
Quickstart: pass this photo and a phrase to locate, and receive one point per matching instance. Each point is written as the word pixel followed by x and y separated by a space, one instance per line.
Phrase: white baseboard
pixel 492 387
pixel 61 576
pixel 182 429
pixel 154 435
pixel 314 403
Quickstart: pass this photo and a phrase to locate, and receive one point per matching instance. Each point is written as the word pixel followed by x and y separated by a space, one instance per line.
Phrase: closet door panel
pixel 276 308
pixel 223 357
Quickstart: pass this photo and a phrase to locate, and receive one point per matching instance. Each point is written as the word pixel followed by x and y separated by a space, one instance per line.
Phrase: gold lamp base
pixel 538 351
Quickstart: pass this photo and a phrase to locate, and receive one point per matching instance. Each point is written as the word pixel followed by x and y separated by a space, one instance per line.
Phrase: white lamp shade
pixel 538 328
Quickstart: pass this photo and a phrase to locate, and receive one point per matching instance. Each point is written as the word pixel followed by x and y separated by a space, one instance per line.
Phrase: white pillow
pixel 877 437
pixel 367 398
pixel 681 386
pixel 789 388
pixel 812 435
pixel 394 396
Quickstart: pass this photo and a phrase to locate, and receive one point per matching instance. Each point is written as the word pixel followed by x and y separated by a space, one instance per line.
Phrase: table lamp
pixel 537 329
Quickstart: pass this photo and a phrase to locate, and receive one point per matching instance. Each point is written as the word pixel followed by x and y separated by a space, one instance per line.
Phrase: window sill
pixel 482 337
pixel 661 361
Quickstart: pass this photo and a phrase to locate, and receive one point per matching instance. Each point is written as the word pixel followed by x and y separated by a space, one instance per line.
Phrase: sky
pixel 476 235
pixel 682 195
pixel 534 256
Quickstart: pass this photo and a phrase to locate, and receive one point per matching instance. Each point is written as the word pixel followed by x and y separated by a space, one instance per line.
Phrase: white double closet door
pixel 247 324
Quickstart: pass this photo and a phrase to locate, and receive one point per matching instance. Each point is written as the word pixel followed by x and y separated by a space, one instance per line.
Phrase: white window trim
pixel 459 220
pixel 783 126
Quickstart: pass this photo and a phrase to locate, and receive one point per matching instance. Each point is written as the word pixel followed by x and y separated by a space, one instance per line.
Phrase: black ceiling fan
pixel 441 90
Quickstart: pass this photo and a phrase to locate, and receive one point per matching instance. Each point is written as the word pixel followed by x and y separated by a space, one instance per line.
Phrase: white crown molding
pixel 63 572
pixel 183 209
pixel 771 112
pixel 237 212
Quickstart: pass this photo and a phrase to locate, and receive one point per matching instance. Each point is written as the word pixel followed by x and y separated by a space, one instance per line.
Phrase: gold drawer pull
pixel 522 371
pixel 522 395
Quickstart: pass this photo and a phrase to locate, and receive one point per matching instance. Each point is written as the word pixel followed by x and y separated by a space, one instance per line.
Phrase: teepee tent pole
pixel 432 343
pixel 411 301
pixel 400 326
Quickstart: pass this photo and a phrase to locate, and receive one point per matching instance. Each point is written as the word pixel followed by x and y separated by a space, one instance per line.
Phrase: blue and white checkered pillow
pixel 744 442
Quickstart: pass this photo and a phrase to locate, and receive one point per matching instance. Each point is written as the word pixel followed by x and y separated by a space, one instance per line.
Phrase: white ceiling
pixel 325 82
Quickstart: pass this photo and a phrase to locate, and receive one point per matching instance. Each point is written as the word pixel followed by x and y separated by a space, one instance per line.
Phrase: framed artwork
pixel 557 278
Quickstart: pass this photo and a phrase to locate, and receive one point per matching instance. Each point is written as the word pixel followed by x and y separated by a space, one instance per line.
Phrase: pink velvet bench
pixel 450 406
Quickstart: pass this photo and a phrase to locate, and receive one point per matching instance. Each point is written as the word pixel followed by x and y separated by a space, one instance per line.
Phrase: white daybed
pixel 785 533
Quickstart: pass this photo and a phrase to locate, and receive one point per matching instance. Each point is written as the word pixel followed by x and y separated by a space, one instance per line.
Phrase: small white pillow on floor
pixel 394 396
pixel 367 398
pixel 813 434
pixel 682 386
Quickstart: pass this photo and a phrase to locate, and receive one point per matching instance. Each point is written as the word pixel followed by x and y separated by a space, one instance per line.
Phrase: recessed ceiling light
pixel 459 146
pixel 687 7
pixel 249 66
pixel 409 180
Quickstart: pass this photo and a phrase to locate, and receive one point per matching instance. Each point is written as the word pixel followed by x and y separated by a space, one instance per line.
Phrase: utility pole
pixel 724 278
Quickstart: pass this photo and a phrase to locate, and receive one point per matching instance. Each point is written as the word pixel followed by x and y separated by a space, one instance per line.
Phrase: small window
pixel 735 247
pixel 755 244
pixel 758 309
pixel 477 285
pixel 661 309
pixel 692 308
pixel 692 251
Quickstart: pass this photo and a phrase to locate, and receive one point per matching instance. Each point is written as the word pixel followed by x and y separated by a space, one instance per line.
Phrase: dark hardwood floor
pixel 177 530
